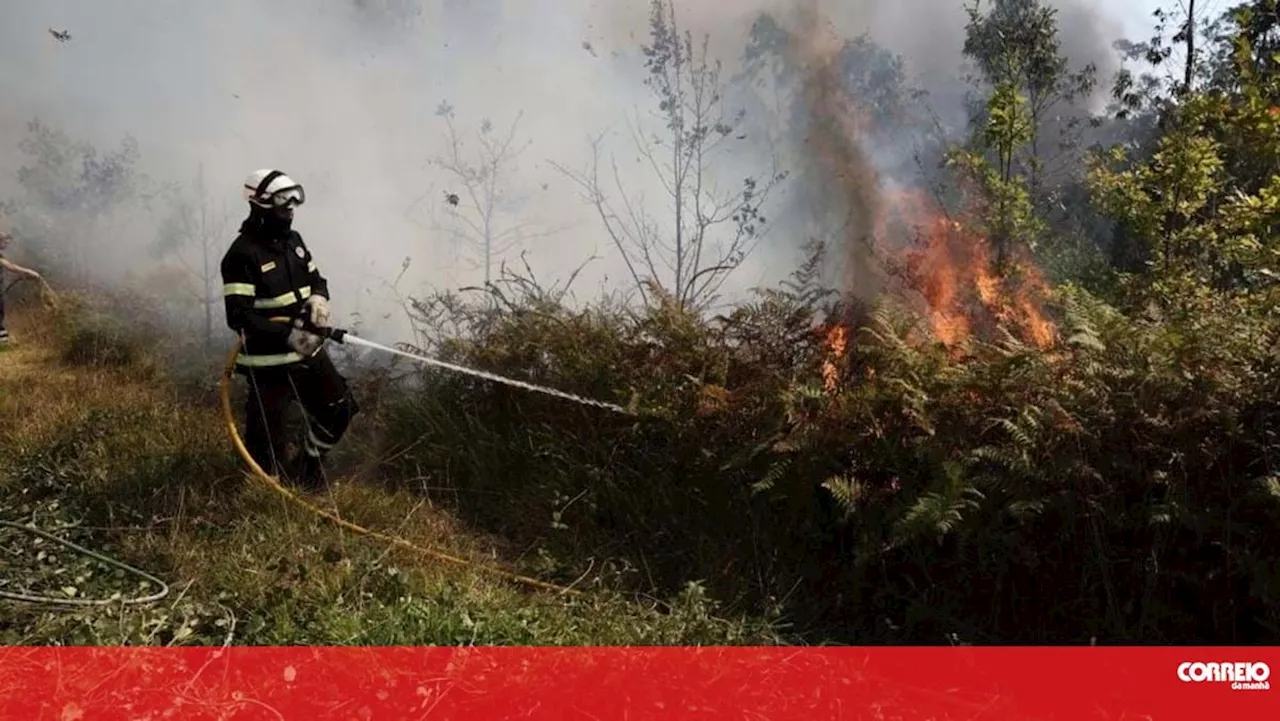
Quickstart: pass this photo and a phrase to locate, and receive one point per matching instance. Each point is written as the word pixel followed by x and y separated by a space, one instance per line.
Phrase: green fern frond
pixel 938 513
pixel 808 391
pixel 884 330
pixel 1009 345
pixel 908 388
pixel 1027 510
pixel 1088 340
pixel 941 512
pixel 847 491
pixel 772 475
pixel 1269 486
pixel 1005 458
pixel 1016 432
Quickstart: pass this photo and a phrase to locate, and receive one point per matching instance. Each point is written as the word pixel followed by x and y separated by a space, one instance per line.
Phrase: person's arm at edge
pixel 15 268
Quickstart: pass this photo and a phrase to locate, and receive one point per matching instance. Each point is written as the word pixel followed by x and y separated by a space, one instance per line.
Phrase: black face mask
pixel 267 223
pixel 275 224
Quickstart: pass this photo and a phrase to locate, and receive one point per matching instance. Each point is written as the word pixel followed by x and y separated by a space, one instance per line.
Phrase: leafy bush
pixel 1119 486
pixel 1111 488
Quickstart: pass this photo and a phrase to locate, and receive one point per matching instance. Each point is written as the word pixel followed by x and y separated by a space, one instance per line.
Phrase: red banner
pixel 94 684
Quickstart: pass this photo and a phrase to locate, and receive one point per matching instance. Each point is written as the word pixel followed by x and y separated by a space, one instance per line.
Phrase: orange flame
pixel 948 265
pixel 951 268
pixel 837 342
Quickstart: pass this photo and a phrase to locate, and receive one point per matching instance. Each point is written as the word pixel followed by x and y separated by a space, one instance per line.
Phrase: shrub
pixel 1110 488
pixel 103 341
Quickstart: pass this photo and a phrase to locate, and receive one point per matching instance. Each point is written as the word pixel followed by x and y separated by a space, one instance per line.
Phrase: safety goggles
pixel 288 197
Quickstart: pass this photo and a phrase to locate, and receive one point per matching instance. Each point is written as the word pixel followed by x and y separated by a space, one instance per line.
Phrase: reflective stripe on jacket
pixel 265 281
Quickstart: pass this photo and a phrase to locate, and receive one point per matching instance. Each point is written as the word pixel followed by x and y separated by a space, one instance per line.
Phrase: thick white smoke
pixel 343 96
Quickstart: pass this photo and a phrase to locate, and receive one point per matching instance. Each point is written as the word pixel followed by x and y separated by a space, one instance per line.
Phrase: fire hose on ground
pixel 271 482
pixel 343 336
pixel 46 293
pixel 57 601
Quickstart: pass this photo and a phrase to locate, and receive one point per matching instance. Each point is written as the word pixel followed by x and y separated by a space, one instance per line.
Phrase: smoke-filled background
pixel 347 98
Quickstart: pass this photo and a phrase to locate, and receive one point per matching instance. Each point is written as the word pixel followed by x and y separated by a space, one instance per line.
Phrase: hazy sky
pixel 1136 16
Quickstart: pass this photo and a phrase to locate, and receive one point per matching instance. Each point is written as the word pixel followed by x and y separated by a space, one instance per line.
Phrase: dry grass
pixel 120 461
pixel 51 396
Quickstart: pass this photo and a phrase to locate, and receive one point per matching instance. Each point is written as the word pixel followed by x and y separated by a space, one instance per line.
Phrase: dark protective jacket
pixel 265 281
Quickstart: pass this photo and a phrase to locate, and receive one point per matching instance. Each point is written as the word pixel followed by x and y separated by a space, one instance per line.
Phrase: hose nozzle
pixel 334 334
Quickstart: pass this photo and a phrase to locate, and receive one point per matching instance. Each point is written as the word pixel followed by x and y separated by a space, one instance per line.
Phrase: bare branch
pixel 645 148
pixel 692 255
pixel 644 236
pixel 483 182
pixel 614 227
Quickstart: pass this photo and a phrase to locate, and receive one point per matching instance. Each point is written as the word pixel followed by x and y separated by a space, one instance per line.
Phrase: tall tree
pixel 711 231
pixel 1229 57
pixel 1205 206
pixel 1257 24
pixel 1008 216
pixel 1016 43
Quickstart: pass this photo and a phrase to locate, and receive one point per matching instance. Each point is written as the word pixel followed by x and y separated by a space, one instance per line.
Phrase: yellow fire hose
pixel 273 483
pixel 47 296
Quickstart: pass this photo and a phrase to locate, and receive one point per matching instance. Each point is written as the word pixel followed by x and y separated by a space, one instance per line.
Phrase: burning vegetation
pixel 901 241
pixel 964 293
pixel 837 343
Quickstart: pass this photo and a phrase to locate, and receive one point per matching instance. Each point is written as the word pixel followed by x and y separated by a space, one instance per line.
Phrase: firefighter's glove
pixel 317 308
pixel 302 342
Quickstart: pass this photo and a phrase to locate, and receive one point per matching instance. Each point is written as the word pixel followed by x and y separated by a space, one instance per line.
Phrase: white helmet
pixel 272 189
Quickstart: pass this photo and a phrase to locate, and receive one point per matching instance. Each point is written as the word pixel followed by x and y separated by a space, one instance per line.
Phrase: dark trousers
pixel 327 404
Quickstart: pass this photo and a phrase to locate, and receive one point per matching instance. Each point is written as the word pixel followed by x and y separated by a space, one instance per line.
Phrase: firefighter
pixel 273 292
pixel 6 264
